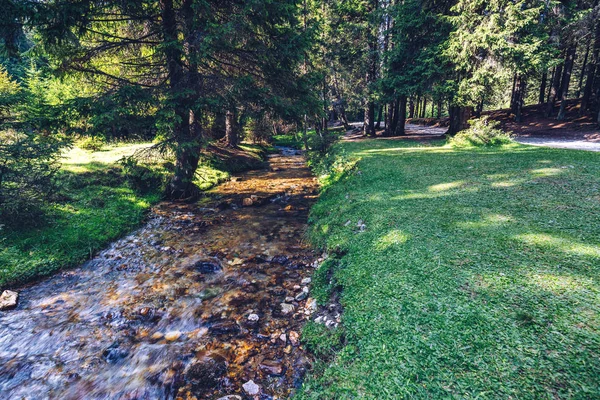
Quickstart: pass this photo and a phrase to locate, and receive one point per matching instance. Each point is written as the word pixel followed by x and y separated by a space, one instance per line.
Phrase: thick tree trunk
pixel 479 108
pixel 593 67
pixel 567 71
pixel 231 129
pixel 401 116
pixel 411 108
pixel 459 119
pixel 391 131
pixel 542 96
pixel 185 135
pixel 369 125
pixel 424 110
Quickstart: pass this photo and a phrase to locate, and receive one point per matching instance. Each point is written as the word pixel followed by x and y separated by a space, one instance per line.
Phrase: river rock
pixel 172 336
pixel 206 372
pixel 294 338
pixel 247 202
pixel 230 397
pixel 306 281
pixel 287 308
pixel 301 296
pixel 251 388
pixel 253 317
pixel 8 300
pixel 272 367
pixel 224 328
pixel 206 267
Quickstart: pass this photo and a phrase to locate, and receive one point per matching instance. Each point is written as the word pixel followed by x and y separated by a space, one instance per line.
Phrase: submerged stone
pixel 206 372
pixel 224 328
pixel 272 367
pixel 251 388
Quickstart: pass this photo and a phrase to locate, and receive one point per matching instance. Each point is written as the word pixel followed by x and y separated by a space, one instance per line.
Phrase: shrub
pixel 142 178
pixel 28 163
pixel 91 143
pixel 482 133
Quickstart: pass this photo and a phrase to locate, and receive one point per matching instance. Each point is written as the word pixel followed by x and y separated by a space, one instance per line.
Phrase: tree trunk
pixel 439 109
pixel 401 116
pixel 187 146
pixel 369 125
pixel 593 67
pixel 371 76
pixel 583 67
pixel 554 90
pixel 231 129
pixel 459 119
pixel 567 70
pixel 479 108
pixel 424 109
pixel 520 94
pixel 411 108
pixel 542 96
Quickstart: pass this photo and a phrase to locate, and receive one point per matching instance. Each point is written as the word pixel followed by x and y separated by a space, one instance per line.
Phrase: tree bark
pixel 567 70
pixel 554 90
pixel 231 129
pixel 583 67
pixel 520 94
pixel 592 68
pixel 411 108
pixel 459 119
pixel 424 109
pixel 187 145
pixel 401 116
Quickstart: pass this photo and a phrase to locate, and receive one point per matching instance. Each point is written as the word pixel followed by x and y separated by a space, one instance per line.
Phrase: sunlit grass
pixel 476 276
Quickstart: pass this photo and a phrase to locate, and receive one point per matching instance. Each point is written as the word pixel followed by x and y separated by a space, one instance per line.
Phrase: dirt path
pixel 560 143
pixel 203 301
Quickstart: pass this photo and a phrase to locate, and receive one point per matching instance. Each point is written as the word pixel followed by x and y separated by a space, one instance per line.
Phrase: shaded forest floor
pixel 463 273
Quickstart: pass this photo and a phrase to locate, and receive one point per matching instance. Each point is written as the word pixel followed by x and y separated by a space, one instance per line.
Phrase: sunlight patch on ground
pixel 557 284
pixel 561 244
pixel 443 187
pixel 541 172
pixel 393 238
pixel 79 160
pixel 487 221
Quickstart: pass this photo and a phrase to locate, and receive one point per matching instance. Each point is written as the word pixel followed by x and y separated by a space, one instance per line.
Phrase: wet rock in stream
pixel 206 372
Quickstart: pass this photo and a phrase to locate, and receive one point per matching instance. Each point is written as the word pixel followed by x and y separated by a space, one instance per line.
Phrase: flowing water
pixel 190 305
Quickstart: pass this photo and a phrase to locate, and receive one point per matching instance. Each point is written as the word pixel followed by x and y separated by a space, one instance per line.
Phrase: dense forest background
pixel 189 73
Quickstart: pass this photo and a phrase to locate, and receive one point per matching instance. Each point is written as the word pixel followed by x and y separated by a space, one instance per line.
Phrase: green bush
pixel 141 178
pixel 91 143
pixel 482 133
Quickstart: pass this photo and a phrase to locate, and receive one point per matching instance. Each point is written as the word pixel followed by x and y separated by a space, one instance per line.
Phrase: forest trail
pixel 191 303
pixel 420 132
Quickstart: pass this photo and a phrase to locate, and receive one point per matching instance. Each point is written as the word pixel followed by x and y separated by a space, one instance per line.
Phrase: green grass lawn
pixel 476 275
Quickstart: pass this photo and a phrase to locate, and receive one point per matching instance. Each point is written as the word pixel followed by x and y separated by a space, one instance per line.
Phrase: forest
pixel 159 115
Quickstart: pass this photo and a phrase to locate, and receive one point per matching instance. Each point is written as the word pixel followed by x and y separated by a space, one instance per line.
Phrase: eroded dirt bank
pixel 204 301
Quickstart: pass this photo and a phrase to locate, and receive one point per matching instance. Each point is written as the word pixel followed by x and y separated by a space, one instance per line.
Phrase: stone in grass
pixel 251 388
pixel 8 300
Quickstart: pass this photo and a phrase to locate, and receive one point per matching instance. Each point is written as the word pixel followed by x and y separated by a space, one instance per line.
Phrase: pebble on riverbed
pixel 251 388
pixel 8 300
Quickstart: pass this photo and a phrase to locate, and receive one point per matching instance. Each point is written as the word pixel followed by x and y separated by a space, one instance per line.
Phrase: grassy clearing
pixel 476 275
pixel 96 206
